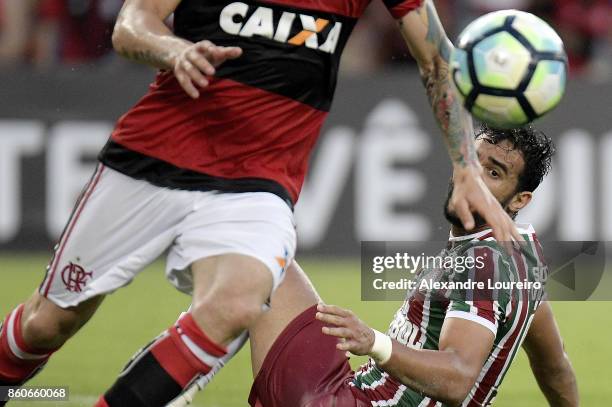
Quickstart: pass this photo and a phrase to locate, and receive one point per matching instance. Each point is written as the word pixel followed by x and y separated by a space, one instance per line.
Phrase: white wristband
pixel 382 348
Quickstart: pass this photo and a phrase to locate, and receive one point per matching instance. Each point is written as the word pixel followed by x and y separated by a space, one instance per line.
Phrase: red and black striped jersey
pixel 254 126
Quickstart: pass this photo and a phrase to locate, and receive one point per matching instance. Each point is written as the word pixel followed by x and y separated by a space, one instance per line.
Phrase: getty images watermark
pixel 574 271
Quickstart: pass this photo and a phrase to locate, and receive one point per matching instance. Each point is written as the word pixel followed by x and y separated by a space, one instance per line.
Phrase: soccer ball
pixel 509 68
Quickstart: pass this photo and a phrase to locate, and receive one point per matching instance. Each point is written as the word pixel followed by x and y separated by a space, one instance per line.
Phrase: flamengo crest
pixel 75 277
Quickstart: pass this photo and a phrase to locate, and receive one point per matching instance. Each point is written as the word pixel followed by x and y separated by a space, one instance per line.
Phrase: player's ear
pixel 519 201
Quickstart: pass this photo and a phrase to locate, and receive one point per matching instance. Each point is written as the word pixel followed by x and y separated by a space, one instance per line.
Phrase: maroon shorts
pixel 304 369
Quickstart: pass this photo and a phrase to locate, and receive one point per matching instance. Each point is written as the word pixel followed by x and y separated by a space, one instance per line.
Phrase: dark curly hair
pixel 535 146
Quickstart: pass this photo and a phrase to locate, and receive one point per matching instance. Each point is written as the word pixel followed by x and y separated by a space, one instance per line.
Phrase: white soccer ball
pixel 509 68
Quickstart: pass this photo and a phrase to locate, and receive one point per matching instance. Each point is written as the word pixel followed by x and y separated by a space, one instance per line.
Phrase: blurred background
pixel 380 172
pixel 48 33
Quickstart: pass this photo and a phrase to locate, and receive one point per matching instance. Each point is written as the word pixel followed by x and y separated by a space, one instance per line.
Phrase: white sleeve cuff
pixel 474 318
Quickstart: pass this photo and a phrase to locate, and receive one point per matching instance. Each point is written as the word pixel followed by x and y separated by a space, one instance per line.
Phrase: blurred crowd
pixel 584 25
pixel 47 33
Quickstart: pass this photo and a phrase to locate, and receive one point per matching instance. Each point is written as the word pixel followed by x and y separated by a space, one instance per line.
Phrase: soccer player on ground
pixel 208 166
pixel 443 347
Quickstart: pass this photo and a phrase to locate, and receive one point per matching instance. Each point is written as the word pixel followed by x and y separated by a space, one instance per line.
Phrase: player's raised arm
pixel 549 362
pixel 431 48
pixel 141 35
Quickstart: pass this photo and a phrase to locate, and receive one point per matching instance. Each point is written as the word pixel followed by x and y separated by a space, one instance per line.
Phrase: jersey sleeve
pixel 486 306
pixel 399 8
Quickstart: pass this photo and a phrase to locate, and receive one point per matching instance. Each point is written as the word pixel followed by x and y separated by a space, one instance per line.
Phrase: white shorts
pixel 121 224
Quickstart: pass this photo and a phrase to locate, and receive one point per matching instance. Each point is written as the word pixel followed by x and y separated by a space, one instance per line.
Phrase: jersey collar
pixel 523 229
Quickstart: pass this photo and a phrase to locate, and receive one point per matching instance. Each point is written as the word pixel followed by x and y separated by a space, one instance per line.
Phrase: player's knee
pixel 46 326
pixel 235 313
pixel 42 332
pixel 229 293
pixel 245 313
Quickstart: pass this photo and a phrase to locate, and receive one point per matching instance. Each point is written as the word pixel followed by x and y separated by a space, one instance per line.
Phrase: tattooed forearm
pixel 450 116
pixel 435 33
pixel 455 124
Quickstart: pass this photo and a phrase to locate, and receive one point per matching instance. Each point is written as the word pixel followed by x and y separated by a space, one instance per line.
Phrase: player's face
pixel 502 166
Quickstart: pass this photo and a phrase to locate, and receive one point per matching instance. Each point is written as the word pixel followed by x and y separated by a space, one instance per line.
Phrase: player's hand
pixel 355 336
pixel 470 194
pixel 197 61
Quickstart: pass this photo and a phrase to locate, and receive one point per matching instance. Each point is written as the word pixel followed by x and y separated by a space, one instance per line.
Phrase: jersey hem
pixel 163 174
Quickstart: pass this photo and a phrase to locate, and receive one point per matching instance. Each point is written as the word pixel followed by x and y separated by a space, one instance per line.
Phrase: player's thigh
pixel 231 252
pixel 230 291
pixel 118 226
pixel 292 297
pixel 302 367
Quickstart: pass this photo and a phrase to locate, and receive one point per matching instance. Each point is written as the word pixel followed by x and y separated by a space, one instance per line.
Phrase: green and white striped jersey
pixel 506 305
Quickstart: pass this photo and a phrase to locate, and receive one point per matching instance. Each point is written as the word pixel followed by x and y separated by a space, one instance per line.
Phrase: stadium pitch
pixel 127 320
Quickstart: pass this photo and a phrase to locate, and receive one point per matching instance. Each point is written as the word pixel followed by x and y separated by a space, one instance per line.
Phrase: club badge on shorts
pixel 75 277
